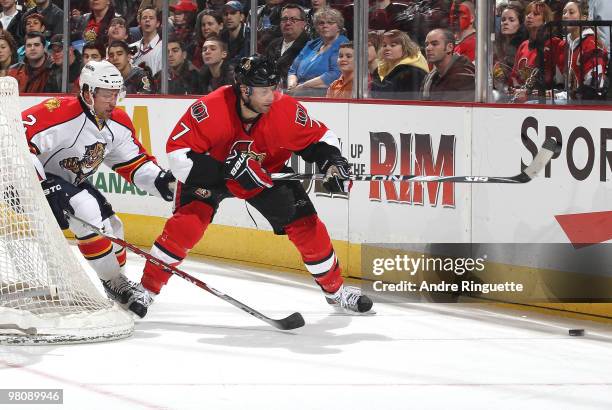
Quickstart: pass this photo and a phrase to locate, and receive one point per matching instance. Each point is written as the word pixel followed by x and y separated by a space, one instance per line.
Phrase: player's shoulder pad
pixel 292 110
pixel 51 112
pixel 121 117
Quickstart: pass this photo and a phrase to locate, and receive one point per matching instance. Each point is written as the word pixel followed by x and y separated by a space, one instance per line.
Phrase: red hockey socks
pixel 181 233
pixel 310 237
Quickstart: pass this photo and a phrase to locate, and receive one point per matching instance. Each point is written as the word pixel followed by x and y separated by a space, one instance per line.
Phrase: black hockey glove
pixel 165 184
pixel 244 168
pixel 58 197
pixel 337 173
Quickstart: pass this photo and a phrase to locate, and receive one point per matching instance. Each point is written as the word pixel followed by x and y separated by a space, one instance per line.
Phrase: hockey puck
pixel 576 332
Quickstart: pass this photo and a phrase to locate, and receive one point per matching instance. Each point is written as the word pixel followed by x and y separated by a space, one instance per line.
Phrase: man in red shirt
pixel 225 145
pixel 462 18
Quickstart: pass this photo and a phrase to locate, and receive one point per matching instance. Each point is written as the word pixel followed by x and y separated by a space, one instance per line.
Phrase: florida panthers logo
pixel 83 168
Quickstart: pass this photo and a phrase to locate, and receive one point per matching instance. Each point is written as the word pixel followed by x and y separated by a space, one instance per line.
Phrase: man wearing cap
pixel 183 22
pixel 53 15
pixel 56 50
pixel 235 33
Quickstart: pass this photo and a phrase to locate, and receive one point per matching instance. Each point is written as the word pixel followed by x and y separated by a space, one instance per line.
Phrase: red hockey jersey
pixel 212 125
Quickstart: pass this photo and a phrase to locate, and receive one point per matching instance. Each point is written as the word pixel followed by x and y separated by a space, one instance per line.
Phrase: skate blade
pixel 339 311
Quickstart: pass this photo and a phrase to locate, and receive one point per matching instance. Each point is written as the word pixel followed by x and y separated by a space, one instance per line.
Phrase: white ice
pixel 195 351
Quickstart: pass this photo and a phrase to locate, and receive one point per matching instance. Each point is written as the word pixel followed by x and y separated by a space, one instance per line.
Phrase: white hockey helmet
pixel 100 74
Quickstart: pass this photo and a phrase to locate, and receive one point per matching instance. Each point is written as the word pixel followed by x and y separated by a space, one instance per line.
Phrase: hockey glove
pixel 244 169
pixel 337 173
pixel 165 184
pixel 58 198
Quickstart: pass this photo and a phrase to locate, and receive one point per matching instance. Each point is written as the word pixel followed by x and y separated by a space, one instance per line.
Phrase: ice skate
pixel 349 299
pixel 118 288
pixel 140 301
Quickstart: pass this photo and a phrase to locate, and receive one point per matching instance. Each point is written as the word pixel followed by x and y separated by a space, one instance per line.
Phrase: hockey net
pixel 45 295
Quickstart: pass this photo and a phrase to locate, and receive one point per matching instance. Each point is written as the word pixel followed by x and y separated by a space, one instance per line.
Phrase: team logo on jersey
pixel 146 84
pixel 83 168
pixel 52 104
pixel 301 117
pixel 246 147
pixel 199 111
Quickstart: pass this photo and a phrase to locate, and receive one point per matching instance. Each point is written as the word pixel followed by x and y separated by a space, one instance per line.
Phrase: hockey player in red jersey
pixel 226 144
pixel 70 137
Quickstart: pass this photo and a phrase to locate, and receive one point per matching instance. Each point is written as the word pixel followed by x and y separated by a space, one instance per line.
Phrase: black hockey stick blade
pixel 292 321
pixel 544 155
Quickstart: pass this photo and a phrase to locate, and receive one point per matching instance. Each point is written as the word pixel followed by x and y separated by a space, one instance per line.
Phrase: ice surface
pixel 195 351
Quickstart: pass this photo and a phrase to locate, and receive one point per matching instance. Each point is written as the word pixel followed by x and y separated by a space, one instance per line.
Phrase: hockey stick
pixel 549 148
pixel 292 321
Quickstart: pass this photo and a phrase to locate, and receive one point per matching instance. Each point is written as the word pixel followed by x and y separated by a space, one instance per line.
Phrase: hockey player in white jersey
pixel 70 137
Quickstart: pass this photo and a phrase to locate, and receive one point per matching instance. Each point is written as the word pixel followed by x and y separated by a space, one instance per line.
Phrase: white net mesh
pixel 45 296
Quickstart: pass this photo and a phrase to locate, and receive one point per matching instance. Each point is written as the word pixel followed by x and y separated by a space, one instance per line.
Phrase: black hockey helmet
pixel 257 71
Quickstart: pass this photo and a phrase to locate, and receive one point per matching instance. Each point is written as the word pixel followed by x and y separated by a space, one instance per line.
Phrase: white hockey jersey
pixel 66 139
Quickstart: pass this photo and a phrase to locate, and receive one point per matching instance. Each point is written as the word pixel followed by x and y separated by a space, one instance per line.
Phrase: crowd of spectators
pixel 417 49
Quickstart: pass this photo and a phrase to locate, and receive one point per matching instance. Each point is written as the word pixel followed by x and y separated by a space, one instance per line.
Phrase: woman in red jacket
pixel 525 72
pixel 584 58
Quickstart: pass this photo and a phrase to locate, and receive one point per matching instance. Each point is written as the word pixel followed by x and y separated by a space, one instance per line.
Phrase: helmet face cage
pixel 257 71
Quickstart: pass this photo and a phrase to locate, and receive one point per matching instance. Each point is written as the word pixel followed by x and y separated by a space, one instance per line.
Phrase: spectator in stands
pixel 136 80
pixel 34 73
pixel 509 37
pixel 316 67
pixel 94 25
pixel 11 20
pixel 56 49
pixel 182 75
pixel 127 9
pixel 33 23
pixel 183 22
pixel 268 23
pixel 8 52
pixel 117 30
pixel 217 70
pixel 53 16
pixel 149 48
pixel 311 28
pixel 208 23
pixel 402 68
pixel 524 76
pixel 462 18
pixel 343 86
pixel 601 10
pixel 235 32
pixel 587 57
pixel 374 41
pixel 285 49
pixel 93 51
pixel 382 15
pixel 453 76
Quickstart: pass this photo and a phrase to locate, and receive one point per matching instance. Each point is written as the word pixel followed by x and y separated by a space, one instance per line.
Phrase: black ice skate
pixel 349 298
pixel 140 301
pixel 119 288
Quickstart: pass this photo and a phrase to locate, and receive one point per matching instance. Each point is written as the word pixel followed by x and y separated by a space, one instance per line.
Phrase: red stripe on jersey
pixel 95 247
pixel 121 257
pixel 127 169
